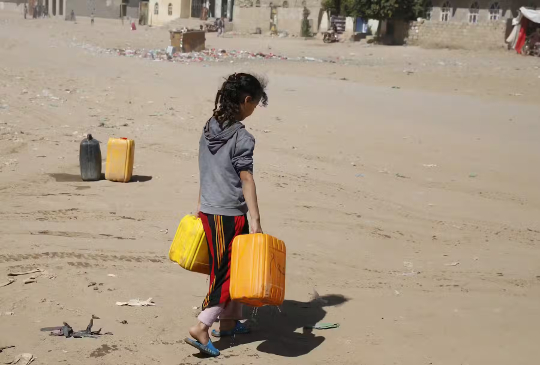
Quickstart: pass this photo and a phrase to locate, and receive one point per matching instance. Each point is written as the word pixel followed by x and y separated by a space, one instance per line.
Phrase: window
pixel 285 4
pixel 156 9
pixel 445 11
pixel 429 10
pixel 494 12
pixel 473 12
pixel 170 9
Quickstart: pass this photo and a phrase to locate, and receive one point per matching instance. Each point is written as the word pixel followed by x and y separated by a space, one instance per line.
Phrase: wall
pixel 247 19
pixel 460 10
pixel 12 7
pixel 180 9
pixel 489 35
pixel 17 6
pixel 103 8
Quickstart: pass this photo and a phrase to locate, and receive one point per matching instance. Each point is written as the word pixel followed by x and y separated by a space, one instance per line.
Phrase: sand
pixel 404 182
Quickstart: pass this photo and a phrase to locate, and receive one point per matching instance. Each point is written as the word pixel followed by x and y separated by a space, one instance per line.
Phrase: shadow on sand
pixel 277 327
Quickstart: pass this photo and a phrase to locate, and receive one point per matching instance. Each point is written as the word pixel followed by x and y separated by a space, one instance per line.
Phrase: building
pixel 284 15
pixel 62 8
pixel 161 12
pixel 472 24
pixel 54 8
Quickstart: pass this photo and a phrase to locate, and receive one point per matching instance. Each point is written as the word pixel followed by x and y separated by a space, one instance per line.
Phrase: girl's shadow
pixel 277 327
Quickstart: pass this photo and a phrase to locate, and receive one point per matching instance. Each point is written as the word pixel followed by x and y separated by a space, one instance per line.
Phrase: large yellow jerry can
pixel 189 248
pixel 120 156
pixel 258 270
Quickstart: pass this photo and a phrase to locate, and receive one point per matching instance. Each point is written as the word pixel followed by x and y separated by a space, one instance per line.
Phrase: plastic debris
pixel 24 272
pixel 23 359
pixel 2 348
pixel 322 326
pixel 10 281
pixel 67 331
pixel 137 303
pixel 452 264
pixel 208 55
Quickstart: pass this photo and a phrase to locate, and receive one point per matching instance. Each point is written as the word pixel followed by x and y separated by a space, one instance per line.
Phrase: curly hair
pixel 233 93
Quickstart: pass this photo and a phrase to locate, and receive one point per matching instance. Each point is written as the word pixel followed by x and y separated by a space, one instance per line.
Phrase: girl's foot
pixel 200 333
pixel 239 329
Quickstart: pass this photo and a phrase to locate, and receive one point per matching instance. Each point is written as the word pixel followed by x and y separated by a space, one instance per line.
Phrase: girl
pixel 227 193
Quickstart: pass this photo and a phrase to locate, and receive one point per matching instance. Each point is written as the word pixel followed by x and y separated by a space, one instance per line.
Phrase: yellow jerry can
pixel 258 270
pixel 189 248
pixel 120 156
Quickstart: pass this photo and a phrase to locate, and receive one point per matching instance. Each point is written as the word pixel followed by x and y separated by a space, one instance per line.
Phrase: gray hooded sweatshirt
pixel 223 154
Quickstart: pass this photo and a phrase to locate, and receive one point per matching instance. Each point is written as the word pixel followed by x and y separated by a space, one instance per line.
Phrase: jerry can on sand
pixel 258 270
pixel 189 248
pixel 90 159
pixel 120 156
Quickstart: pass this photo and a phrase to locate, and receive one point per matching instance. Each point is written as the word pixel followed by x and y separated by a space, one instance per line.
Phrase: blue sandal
pixel 239 329
pixel 209 349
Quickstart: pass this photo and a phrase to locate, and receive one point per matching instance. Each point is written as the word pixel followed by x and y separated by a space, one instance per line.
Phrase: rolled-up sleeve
pixel 243 157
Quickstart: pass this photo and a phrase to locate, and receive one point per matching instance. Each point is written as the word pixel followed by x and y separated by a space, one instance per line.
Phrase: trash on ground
pixel 111 275
pixel 9 313
pixel 124 322
pixel 402 176
pixel 322 326
pixel 452 264
pixel 2 348
pixel 10 281
pixel 24 272
pixel 22 359
pixel 473 175
pixel 429 165
pixel 137 303
pixel 30 280
pixel 359 175
pixel 67 331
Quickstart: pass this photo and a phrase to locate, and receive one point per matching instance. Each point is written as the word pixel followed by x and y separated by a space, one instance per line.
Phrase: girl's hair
pixel 234 91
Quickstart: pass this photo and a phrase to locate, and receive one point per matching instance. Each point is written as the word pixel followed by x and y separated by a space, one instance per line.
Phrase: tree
pixel 379 9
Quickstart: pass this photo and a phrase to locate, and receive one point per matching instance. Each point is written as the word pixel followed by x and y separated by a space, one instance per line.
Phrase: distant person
pixel 92 19
pixel 227 192
pixel 205 10
pixel 72 15
pixel 25 10
pixel 220 23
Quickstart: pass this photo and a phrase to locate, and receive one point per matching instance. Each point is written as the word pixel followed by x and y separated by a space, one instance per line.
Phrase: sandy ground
pixel 419 204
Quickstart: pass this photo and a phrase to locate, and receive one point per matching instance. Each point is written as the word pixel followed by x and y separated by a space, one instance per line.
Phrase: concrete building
pixel 161 12
pixel 286 15
pixel 112 9
pixel 55 8
pixel 472 24
pixel 62 8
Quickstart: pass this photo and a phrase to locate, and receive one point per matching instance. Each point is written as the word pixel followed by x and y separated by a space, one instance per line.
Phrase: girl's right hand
pixel 256 226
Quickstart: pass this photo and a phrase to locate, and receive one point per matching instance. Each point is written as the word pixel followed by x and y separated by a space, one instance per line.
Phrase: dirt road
pixel 403 179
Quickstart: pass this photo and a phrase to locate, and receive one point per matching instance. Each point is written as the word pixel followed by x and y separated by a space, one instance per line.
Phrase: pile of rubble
pixel 209 55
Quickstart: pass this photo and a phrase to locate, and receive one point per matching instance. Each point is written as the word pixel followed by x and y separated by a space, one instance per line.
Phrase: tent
pixel 517 37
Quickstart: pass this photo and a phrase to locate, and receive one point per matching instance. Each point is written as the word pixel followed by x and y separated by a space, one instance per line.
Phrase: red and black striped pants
pixel 220 232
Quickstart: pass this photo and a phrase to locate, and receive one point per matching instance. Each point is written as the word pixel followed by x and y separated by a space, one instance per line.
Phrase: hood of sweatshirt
pixel 216 136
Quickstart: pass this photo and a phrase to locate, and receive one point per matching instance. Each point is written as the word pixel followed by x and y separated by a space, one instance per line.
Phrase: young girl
pixel 227 193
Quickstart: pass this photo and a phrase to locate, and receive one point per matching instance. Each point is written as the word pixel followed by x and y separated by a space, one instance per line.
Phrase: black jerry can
pixel 90 159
